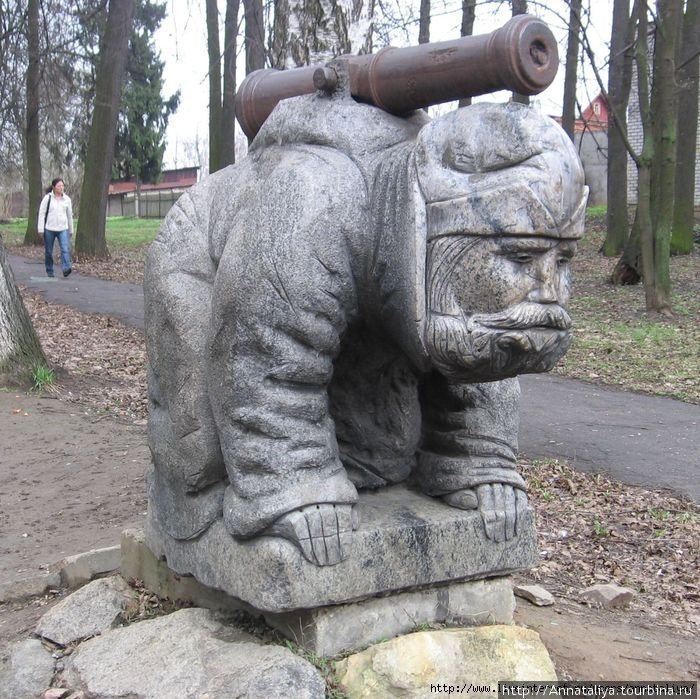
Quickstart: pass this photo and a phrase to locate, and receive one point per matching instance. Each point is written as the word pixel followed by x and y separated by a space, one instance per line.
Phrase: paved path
pixel 637 439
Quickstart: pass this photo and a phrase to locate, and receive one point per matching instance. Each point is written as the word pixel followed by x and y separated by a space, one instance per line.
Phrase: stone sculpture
pixel 347 307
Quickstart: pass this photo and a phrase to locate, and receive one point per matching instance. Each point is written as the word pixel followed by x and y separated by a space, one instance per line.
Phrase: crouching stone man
pixel 347 307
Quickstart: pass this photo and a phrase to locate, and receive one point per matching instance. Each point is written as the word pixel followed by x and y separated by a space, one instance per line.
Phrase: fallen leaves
pixel 592 529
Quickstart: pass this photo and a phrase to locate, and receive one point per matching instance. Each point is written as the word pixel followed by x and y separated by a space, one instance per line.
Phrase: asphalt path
pixel 637 439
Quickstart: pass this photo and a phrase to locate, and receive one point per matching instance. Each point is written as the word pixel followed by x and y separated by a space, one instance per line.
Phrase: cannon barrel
pixel 520 56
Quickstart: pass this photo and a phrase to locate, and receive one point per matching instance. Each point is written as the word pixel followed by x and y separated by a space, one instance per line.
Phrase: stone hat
pixel 500 169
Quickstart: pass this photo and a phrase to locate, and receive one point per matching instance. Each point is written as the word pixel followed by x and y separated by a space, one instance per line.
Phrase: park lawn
pixel 124 234
pixel 616 342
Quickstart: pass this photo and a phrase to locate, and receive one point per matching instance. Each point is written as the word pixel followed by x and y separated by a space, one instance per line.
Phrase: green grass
pixel 597 211
pixel 123 233
pixel 43 378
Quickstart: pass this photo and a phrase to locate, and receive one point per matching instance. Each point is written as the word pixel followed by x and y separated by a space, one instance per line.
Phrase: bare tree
pixel 90 236
pixel 467 29
pixel 619 85
pixel 656 242
pixel 254 35
pixel 32 140
pixel 519 7
pixel 215 102
pixel 568 118
pixel 228 117
pixel 315 31
pixel 647 250
pixel 684 206
pixel 424 22
pixel 20 350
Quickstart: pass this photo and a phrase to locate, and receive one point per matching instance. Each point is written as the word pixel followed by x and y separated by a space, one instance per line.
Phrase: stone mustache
pixel 347 308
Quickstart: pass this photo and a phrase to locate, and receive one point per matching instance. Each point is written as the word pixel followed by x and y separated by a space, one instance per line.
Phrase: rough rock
pixel 188 654
pixel 83 567
pixel 28 587
pixel 609 595
pixel 28 671
pixel 89 611
pixel 468 659
pixel 337 629
pixel 535 594
pixel 56 693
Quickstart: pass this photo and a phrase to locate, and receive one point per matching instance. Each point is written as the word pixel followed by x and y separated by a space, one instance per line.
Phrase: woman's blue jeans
pixel 63 243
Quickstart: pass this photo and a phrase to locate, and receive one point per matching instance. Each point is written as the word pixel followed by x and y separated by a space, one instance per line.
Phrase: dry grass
pixel 594 530
pixel 617 343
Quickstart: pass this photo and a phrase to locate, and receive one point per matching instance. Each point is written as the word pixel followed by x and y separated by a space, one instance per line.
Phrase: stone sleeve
pixel 284 295
pixel 470 435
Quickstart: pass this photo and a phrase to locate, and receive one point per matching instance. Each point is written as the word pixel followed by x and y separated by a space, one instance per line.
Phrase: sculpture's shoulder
pixel 361 132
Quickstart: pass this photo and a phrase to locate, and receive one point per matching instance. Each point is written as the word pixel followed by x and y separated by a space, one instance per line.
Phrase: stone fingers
pixel 323 533
pixel 501 506
pixel 521 506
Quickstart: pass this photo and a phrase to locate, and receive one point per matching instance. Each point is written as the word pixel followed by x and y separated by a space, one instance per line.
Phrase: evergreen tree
pixel 144 114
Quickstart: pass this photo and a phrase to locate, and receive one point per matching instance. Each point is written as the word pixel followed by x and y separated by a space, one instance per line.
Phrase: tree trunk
pixel 568 118
pixel 519 7
pixel 629 268
pixel 32 143
pixel 90 235
pixel 228 117
pixel 467 29
pixel 424 22
pixel 20 350
pixel 280 34
pixel 215 104
pixel 689 66
pixel 619 85
pixel 254 35
pixel 664 113
pixel 320 30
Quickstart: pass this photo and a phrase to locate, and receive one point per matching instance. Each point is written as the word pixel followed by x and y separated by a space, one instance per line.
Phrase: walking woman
pixel 56 221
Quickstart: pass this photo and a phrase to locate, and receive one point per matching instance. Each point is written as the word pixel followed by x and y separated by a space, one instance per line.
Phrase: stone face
pixel 608 595
pixel 328 631
pixel 407 540
pixel 535 594
pixel 27 672
pixel 91 610
pixel 407 666
pixel 188 654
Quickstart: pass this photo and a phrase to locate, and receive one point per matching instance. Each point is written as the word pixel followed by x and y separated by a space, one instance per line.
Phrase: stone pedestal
pixel 334 629
pixel 405 541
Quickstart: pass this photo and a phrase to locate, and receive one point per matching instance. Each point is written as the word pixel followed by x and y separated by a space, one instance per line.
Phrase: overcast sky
pixel 182 44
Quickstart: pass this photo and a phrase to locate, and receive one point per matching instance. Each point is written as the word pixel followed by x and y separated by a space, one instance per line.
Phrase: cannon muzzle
pixel 521 56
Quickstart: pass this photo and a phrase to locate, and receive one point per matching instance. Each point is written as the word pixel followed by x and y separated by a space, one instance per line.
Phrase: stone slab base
pixel 327 631
pixel 406 540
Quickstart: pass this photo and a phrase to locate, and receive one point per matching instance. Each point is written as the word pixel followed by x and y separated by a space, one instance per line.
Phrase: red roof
pixel 171 179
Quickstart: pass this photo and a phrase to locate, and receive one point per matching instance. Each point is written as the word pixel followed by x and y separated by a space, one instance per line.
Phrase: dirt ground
pixel 70 482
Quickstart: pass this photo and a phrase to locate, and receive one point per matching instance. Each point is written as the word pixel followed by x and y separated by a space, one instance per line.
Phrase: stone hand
pixel 500 506
pixel 322 532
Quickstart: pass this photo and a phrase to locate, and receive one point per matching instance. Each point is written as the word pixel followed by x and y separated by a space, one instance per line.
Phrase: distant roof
pixel 170 179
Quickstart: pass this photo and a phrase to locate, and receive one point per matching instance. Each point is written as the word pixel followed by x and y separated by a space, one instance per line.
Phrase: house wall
pixel 152 204
pixel 592 148
pixel 635 135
